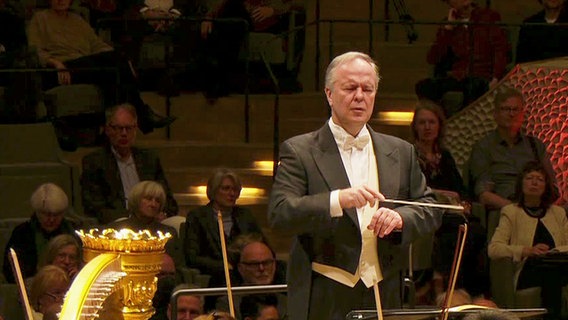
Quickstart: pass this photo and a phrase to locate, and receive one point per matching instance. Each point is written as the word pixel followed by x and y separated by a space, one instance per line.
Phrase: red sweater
pixel 488 46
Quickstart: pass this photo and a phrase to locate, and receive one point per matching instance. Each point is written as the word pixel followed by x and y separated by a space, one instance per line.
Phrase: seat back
pixel 73 99
pixel 31 156
pixel 10 307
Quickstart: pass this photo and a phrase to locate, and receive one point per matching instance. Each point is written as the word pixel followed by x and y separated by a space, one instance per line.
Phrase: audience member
pixel 491 315
pixel 166 284
pixel 530 228
pixel 259 307
pixel 48 289
pixel 436 162
pixel 63 251
pixel 256 265
pixel 109 174
pixel 216 315
pixel 459 298
pixel 189 307
pixel 456 68
pixel 203 243
pixel 442 175
pixel 538 42
pixel 49 203
pixel 222 40
pixel 498 158
pixel 462 297
pixel 145 202
pixel 66 42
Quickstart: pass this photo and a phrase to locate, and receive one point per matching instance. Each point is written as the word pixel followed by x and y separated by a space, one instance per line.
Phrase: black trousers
pixel 110 71
pixel 332 300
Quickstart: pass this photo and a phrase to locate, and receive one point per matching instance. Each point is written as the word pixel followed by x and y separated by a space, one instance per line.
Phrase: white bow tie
pixel 359 142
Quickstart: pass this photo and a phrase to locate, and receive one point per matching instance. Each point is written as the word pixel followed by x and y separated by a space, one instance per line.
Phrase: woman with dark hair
pixel 529 229
pixel 203 244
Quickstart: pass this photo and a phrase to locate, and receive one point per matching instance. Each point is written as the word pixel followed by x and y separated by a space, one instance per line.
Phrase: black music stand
pixel 424 314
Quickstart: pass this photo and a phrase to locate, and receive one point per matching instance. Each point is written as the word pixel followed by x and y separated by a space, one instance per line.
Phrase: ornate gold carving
pixel 138 257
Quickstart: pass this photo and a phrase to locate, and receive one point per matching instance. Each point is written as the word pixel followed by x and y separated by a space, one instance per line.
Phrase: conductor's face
pixel 352 95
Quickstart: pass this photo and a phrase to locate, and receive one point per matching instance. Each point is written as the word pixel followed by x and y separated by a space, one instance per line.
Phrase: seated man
pixel 544 42
pixel 109 174
pixel 256 265
pixel 189 307
pixel 259 307
pixel 453 47
pixel 497 159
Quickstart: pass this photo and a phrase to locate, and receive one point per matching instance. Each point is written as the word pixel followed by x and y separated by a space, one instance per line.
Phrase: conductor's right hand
pixel 358 197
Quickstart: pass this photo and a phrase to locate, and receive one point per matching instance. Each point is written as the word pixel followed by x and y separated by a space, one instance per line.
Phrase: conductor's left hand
pixel 384 221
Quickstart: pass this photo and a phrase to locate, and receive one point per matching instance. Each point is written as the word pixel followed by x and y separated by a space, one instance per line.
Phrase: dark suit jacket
pixel 202 245
pixel 102 191
pixel 310 168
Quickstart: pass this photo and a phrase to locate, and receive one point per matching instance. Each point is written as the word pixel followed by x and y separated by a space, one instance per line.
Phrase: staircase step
pixel 206 154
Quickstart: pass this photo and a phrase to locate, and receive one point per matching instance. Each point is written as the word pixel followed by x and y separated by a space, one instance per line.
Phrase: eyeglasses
pixel 55 296
pixel 256 264
pixel 51 214
pixel 118 128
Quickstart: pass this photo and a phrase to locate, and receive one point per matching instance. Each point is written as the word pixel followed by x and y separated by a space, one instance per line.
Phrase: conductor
pixel 327 191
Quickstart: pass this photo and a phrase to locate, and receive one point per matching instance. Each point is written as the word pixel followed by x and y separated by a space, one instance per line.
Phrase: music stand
pixel 424 314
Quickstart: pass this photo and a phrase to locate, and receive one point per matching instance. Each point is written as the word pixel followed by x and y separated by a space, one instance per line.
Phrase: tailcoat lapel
pixel 328 160
pixel 388 165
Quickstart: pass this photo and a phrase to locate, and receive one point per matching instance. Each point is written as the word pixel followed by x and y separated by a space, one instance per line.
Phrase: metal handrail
pixel 243 290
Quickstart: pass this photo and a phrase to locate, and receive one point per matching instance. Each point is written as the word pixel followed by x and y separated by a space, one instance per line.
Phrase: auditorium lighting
pixel 264 167
pixel 397 118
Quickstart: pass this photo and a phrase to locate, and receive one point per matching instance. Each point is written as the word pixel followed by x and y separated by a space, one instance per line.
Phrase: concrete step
pixel 206 154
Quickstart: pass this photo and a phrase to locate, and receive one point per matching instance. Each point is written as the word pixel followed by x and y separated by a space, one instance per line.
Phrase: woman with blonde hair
pixel 48 290
pixel 49 204
pixel 146 202
pixel 63 251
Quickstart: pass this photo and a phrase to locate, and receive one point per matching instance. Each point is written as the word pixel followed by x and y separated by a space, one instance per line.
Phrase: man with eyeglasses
pixel 498 158
pixel 110 173
pixel 255 265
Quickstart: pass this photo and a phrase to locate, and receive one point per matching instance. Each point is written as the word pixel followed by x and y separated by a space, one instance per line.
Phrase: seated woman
pixel 146 202
pixel 48 291
pixel 202 246
pixel 66 42
pixel 49 203
pixel 442 175
pixel 63 251
pixel 530 228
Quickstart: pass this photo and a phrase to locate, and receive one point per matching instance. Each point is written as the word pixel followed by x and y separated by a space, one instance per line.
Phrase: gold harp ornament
pixel 122 264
